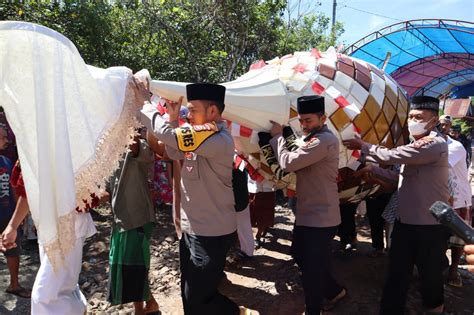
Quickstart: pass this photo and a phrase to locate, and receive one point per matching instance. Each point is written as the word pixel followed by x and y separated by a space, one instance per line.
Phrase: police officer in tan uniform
pixel 417 238
pixel 208 218
pixel 317 216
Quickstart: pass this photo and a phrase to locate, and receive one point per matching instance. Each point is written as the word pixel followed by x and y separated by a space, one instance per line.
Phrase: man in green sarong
pixel 134 219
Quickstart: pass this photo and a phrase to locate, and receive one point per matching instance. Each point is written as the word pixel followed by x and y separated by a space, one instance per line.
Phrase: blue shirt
pixel 7 200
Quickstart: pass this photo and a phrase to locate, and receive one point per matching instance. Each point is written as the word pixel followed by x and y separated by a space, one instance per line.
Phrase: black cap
pixel 424 102
pixel 310 104
pixel 205 92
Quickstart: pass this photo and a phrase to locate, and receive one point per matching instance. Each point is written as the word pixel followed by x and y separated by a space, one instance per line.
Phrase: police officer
pixel 208 218
pixel 317 217
pixel 417 238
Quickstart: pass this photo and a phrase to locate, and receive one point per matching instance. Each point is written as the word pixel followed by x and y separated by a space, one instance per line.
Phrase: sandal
pixel 20 292
pixel 329 305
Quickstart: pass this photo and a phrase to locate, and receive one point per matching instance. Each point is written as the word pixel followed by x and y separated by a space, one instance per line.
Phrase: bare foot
pixel 139 310
pixel 151 306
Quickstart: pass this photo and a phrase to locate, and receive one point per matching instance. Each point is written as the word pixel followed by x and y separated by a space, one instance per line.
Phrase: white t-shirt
pixel 458 174
pixel 263 186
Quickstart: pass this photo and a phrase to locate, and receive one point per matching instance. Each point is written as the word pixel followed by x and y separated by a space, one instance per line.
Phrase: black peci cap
pixel 205 92
pixel 424 102
pixel 310 104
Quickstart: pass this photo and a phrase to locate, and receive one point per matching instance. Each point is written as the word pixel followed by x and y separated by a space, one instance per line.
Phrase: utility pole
pixel 334 4
pixel 333 30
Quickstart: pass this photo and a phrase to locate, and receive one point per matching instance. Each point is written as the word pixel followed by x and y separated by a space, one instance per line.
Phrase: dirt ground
pixel 269 282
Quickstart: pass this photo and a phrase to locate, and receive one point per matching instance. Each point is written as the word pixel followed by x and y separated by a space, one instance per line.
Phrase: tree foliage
pixel 180 40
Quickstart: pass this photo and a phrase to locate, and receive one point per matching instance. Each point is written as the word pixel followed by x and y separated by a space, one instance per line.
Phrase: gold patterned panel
pixel 396 130
pixel 405 135
pixel 403 101
pixel 400 142
pixel 388 110
pixel 372 108
pixel 392 96
pixel 381 126
pixel 402 114
pixel 293 113
pixel 371 137
pixel 388 141
pixel 340 119
pixel 363 122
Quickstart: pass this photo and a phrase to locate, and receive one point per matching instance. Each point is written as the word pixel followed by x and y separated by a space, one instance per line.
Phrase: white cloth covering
pixel 72 124
pixel 244 232
pixel 458 174
pixel 57 292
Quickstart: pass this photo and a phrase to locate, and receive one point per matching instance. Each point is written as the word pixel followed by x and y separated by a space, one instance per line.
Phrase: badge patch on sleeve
pixel 312 143
pixel 189 137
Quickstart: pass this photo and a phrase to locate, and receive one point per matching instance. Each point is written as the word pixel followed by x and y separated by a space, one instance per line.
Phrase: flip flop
pixel 20 292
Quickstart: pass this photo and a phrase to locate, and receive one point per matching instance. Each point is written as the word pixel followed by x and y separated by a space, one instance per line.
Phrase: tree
pixel 181 40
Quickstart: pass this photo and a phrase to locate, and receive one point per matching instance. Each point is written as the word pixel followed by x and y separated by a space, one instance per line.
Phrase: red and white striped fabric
pixel 237 130
pixel 349 108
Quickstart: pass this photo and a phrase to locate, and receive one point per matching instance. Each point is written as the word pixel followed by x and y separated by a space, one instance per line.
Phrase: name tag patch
pixel 189 137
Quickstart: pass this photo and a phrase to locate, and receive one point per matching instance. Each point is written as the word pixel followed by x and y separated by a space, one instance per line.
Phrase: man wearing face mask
pixel 316 166
pixel 417 238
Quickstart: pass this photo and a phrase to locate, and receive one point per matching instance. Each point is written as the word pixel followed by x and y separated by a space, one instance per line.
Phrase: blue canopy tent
pixel 432 56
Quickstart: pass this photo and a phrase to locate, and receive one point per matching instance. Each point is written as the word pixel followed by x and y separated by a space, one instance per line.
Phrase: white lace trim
pixel 91 177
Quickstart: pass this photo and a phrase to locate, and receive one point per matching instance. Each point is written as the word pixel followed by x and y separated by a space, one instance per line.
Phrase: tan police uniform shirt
pixel 316 166
pixel 207 198
pixel 423 175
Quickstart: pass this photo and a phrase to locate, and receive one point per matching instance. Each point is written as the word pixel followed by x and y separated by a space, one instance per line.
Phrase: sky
pixel 383 13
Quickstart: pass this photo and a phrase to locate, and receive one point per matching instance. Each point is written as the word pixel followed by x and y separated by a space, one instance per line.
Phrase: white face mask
pixel 417 128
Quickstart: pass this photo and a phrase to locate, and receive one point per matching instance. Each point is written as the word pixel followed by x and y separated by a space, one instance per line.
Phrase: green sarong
pixel 129 262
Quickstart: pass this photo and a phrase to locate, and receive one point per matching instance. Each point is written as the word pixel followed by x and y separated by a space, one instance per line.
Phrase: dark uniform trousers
pixel 375 208
pixel 421 245
pixel 311 250
pixel 202 260
pixel 347 228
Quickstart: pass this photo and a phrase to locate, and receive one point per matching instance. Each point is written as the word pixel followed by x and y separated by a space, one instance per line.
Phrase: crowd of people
pixel 215 202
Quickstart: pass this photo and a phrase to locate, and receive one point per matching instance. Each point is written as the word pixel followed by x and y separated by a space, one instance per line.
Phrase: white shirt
pixel 264 186
pixel 84 226
pixel 458 174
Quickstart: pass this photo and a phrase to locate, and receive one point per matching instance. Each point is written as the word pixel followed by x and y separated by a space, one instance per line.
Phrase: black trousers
pixel 375 207
pixel 347 228
pixel 312 252
pixel 421 245
pixel 202 261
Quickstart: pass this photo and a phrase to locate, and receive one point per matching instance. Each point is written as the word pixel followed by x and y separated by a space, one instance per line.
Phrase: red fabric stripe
pixel 237 162
pixel 160 109
pixel 317 88
pixel 341 101
pixel 357 129
pixel 245 132
pixel 301 67
pixel 258 65
pixel 315 53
